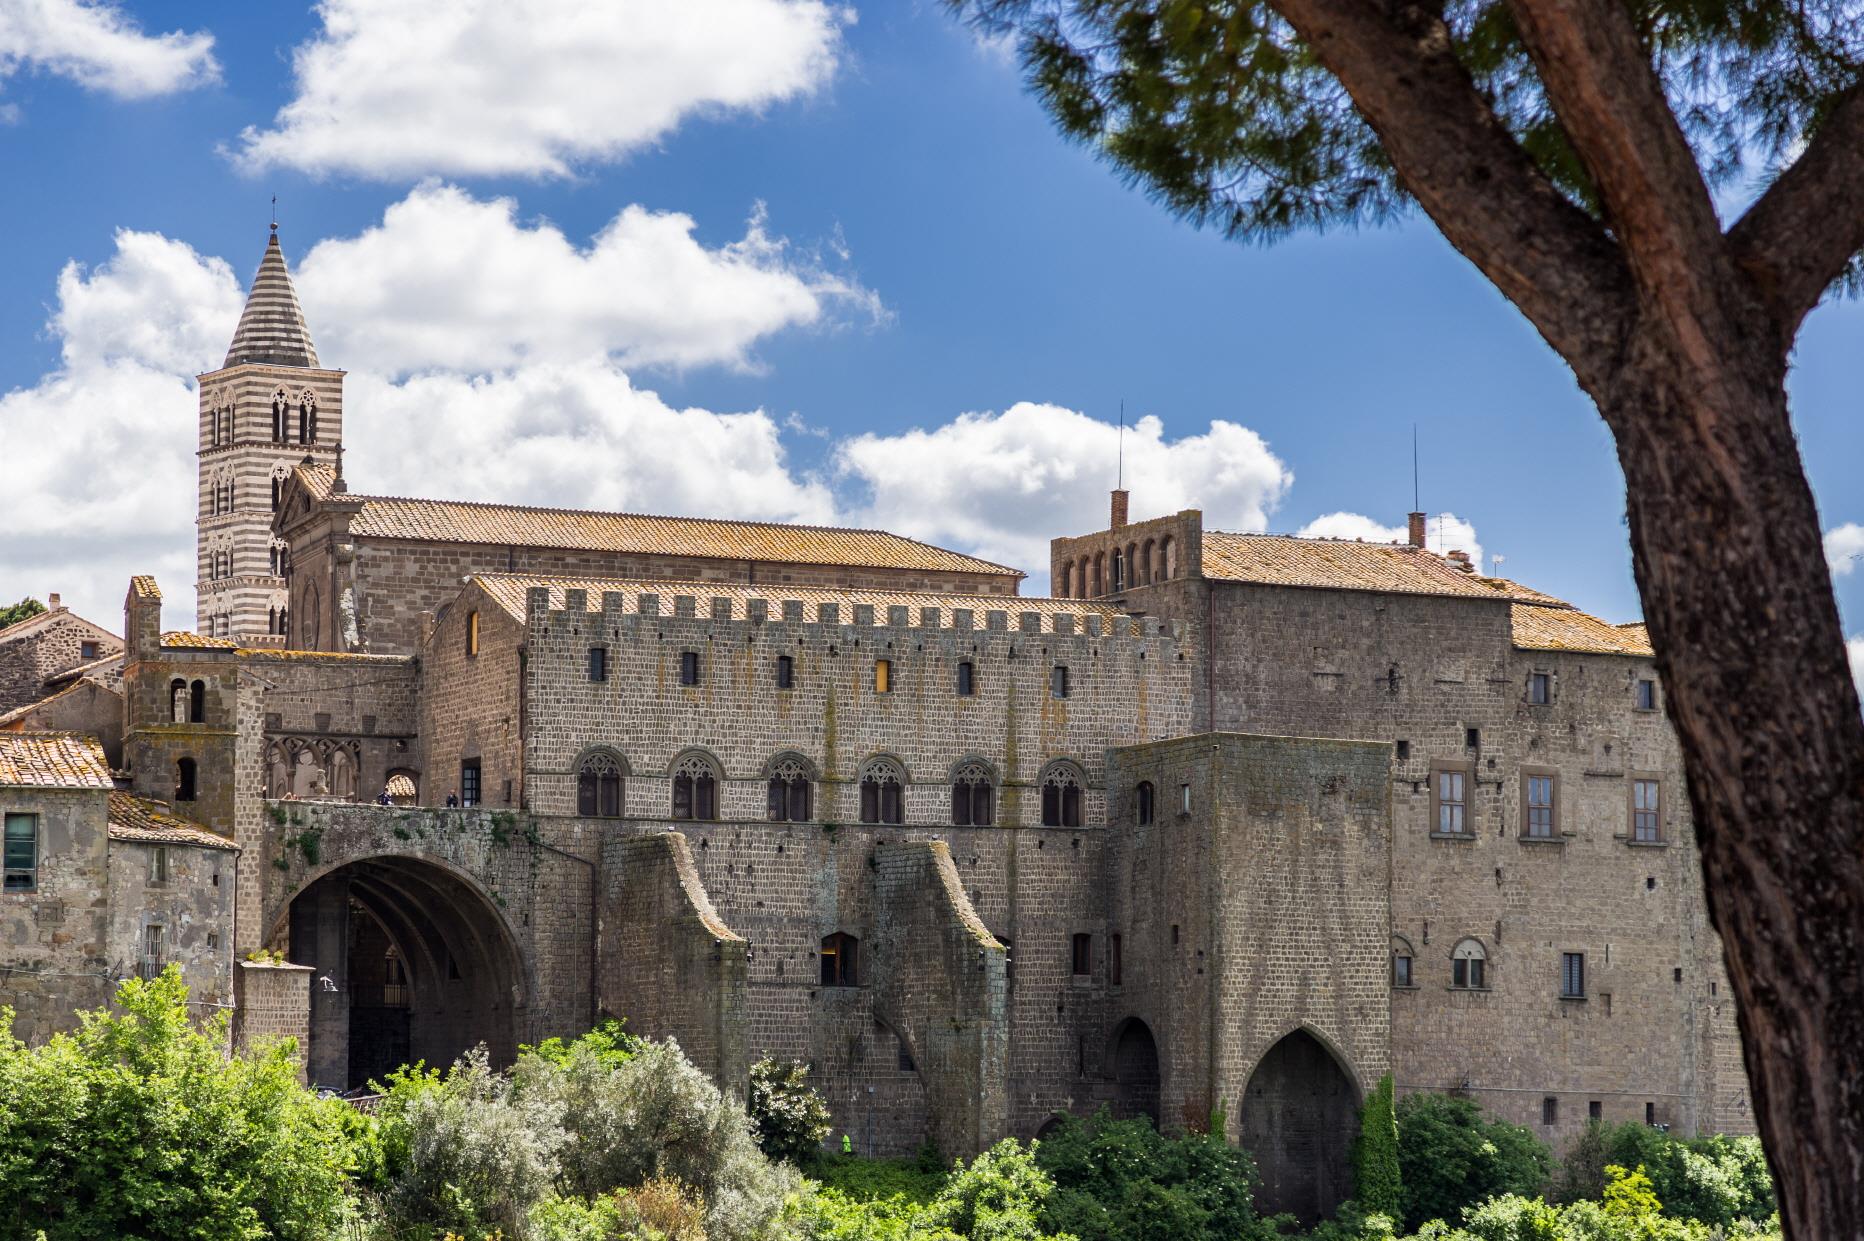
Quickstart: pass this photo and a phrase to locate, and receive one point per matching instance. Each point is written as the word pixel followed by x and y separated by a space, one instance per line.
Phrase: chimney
pixel 1119 508
pixel 52 604
pixel 1417 529
pixel 1461 560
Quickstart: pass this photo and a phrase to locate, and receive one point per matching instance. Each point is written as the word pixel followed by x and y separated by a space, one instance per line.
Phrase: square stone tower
pixel 267 409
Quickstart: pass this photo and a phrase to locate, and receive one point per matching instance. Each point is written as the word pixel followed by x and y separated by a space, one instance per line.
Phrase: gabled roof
pixel 507 590
pixel 1341 564
pixel 151 822
pixel 1566 628
pixel 43 620
pixel 88 671
pixel 53 761
pixel 271 328
pixel 705 538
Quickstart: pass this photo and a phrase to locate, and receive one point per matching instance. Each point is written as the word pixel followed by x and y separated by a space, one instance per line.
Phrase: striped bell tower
pixel 268 406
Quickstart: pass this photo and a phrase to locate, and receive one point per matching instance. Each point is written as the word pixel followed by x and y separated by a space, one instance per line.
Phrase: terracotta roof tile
pixel 1340 564
pixel 182 640
pixel 143 587
pixel 508 590
pixel 53 761
pixel 1569 629
pixel 151 822
pixel 458 521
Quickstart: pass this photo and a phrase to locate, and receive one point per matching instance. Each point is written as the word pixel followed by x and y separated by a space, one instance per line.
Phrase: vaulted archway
pixel 1299 1115
pixel 1135 1062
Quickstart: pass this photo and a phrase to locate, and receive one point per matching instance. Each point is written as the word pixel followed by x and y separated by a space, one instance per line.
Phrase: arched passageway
pixel 1298 1119
pixel 1135 1071
pixel 413 963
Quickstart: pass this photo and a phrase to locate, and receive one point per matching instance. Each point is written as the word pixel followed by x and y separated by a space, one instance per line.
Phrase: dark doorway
pixel 1135 1071
pixel 1299 1115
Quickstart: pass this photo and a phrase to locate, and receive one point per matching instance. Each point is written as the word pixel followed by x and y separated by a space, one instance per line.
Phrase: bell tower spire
pixel 269 408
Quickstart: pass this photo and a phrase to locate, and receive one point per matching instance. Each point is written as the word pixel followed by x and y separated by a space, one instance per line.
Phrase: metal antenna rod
pixel 1414 507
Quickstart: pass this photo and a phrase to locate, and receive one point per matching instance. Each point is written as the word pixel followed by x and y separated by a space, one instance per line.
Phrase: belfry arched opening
pixel 413 963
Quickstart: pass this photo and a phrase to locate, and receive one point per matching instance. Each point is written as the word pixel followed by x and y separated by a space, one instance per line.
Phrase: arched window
pixel 304 420
pixel 1143 807
pixel 271 620
pixel 284 621
pixel 840 960
pixel 184 780
pixel 1148 563
pixel 178 701
pixel 197 703
pixel 278 416
pixel 1061 796
pixel 275 490
pixel 1168 557
pixel 695 788
pixel 789 791
pixel 883 792
pixel 1100 574
pixel 1119 566
pixel 1402 961
pixel 598 787
pixel 1469 966
pixel 972 796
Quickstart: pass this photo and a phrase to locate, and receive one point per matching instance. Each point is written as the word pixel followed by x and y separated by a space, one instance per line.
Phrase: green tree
pixel 1120 1179
pixel 1569 149
pixel 789 1117
pixel 1378 1183
pixel 25 609
pixel 140 1125
pixel 1451 1157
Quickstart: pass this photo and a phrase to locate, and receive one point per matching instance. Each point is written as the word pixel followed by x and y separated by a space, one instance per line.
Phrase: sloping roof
pixel 460 521
pixel 84 671
pixel 1341 564
pixel 1568 629
pixel 508 591
pixel 271 328
pixel 143 587
pixel 53 761
pixel 21 712
pixel 151 822
pixel 34 623
pixel 182 639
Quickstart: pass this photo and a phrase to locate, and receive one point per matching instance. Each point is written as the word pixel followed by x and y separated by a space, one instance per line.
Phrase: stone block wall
pixel 44 646
pixel 55 939
pixel 473 706
pixel 273 1002
pixel 86 706
pixel 190 897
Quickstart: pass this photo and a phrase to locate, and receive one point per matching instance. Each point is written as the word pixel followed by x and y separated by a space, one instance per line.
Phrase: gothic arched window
pixel 1469 965
pixel 1143 799
pixel 972 796
pixel 279 408
pixel 598 787
pixel 307 419
pixel 695 788
pixel 1061 796
pixel 789 791
pixel 883 792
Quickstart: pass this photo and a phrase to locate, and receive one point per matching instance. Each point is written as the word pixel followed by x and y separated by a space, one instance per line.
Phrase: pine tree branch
pixel 1797 238
pixel 1457 158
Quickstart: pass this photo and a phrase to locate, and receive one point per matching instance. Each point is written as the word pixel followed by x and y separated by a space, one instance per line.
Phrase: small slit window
pixel 883 676
pixel 786 671
pixel 598 663
pixel 689 667
pixel 1113 959
pixel 1082 954
pixel 158 866
pixel 472 633
pixel 967 679
pixel 1142 803
pixel 1058 681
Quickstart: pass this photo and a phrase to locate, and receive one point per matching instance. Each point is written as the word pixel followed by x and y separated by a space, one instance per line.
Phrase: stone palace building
pixel 1233 825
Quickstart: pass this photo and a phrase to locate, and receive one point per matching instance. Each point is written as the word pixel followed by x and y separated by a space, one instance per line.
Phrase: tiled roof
pixel 271 328
pixel 183 640
pixel 40 620
pixel 508 591
pixel 82 671
pixel 1569 629
pixel 151 822
pixel 53 761
pixel 1340 564
pixel 143 587
pixel 459 521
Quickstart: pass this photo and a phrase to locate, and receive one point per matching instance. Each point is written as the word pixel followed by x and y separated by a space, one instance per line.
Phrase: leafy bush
pixel 1715 1180
pixel 1001 1196
pixel 1451 1156
pixel 140 1124
pixel 659 1210
pixel 1378 1185
pixel 917 1180
pixel 789 1118
pixel 1123 1179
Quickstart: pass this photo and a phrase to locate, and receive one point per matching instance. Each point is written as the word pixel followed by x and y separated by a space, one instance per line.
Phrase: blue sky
pixel 928 249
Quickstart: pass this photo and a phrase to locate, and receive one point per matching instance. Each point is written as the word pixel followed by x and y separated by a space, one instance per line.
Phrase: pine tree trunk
pixel 1738 597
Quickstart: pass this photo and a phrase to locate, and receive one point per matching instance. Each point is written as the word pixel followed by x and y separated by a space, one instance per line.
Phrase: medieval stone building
pixel 1232 826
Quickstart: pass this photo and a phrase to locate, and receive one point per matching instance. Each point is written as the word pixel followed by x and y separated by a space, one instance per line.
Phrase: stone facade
pixel 42 647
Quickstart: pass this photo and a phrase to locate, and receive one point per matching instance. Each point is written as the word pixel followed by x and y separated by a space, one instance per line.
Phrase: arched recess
pixel 1298 1118
pixel 1134 1055
pixel 459 976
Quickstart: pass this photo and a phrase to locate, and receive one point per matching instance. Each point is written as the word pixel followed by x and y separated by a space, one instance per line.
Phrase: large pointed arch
pixel 1298 1116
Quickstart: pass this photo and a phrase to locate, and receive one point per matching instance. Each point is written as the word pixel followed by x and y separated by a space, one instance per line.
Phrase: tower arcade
pixel 267 408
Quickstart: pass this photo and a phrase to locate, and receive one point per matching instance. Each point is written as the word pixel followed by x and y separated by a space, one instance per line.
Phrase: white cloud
pixel 1443 532
pixel 400 88
pixel 1855 648
pixel 100 47
pixel 1001 484
pixel 397 300
pixel 1844 548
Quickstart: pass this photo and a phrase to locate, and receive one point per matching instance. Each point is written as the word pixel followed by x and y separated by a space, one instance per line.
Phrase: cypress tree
pixel 1377 1184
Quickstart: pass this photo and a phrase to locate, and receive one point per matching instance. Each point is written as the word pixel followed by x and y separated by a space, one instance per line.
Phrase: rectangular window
pixel 1113 959
pixel 1595 1110
pixel 1549 1111
pixel 689 667
pixel 1401 970
pixel 1184 799
pixel 1650 1113
pixel 469 782
pixel 20 860
pixel 883 676
pixel 1058 681
pixel 472 633
pixel 158 866
pixel 598 663
pixel 786 671
pixel 1646 811
pixel 1452 789
pixel 1572 975
pixel 1472 738
pixel 1404 749
pixel 967 679
pixel 1539 688
pixel 1646 695
pixel 151 963
pixel 87 650
pixel 1538 810
pixel 1083 955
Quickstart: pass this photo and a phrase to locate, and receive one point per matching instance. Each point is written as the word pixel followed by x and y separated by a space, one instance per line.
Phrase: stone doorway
pixel 1135 1071
pixel 1299 1114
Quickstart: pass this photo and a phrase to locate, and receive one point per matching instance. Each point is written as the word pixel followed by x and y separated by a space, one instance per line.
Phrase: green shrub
pixel 1378 1184
pixel 871 1180
pixel 1001 1196
pixel 1715 1180
pixel 1123 1179
pixel 1451 1157
pixel 789 1118
pixel 140 1125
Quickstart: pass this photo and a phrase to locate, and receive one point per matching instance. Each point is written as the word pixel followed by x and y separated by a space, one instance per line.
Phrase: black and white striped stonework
pixel 271 328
